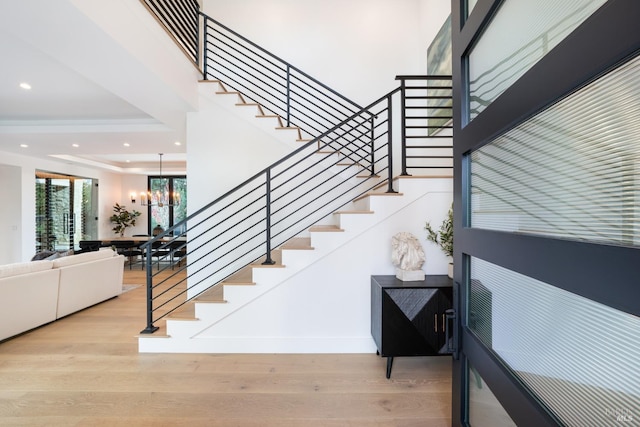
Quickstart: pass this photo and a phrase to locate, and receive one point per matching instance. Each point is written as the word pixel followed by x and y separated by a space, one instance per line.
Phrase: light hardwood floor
pixel 84 370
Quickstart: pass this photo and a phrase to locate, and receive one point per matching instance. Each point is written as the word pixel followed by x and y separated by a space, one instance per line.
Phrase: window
pixel 174 209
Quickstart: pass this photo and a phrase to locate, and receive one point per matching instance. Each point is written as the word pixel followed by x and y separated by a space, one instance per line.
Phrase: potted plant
pixel 443 237
pixel 123 218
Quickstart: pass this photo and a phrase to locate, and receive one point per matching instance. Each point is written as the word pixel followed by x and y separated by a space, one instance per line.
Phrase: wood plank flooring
pixel 84 370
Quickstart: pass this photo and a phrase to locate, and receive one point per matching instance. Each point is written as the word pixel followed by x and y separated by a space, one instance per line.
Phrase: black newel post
pixel 268 261
pixel 150 328
pixel 373 148
pixel 205 30
pixel 390 144
pixel 403 125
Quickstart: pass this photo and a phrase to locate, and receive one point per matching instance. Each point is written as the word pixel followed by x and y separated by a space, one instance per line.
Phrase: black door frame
pixel 605 39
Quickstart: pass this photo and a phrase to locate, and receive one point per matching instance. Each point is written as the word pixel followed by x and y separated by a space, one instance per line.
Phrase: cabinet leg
pixel 389 366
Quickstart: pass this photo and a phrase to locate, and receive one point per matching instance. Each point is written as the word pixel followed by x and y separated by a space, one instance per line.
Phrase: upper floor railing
pixel 277 85
pixel 181 20
pixel 427 130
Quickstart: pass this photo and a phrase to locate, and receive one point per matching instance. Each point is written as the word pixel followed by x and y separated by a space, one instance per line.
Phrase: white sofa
pixel 38 292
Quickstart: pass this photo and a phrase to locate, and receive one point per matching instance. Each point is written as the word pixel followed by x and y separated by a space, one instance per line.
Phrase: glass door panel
pixel 558 344
pixel 65 211
pixel 545 214
pixel 53 214
pixel 484 409
pixel 85 210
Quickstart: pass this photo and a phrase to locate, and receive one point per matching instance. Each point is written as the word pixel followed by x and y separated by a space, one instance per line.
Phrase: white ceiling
pixel 65 107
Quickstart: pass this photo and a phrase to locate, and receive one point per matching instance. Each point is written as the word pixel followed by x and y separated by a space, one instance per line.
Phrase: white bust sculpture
pixel 407 256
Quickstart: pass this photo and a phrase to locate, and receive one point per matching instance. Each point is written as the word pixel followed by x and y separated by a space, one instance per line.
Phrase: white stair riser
pixel 356 222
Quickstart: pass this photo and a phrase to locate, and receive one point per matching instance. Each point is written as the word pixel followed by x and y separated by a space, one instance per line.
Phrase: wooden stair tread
pixel 242 276
pixel 160 333
pixel 298 243
pixel 214 295
pixel 326 228
pixel 422 176
pixel 237 283
pixel 276 265
pixel 364 196
pixel 186 312
pixel 352 212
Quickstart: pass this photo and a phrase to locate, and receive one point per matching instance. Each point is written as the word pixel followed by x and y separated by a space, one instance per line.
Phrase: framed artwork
pixel 439 56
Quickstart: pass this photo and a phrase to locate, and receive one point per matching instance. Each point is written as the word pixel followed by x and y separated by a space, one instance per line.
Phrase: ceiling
pixel 78 113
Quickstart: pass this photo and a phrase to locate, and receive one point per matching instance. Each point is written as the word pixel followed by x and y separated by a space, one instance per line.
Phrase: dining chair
pixel 129 249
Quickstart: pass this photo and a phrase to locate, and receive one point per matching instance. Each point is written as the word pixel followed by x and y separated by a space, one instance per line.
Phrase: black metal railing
pixel 268 80
pixel 181 20
pixel 244 225
pixel 427 131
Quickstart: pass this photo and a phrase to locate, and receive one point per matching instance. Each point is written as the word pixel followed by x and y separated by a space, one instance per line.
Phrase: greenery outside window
pixel 168 215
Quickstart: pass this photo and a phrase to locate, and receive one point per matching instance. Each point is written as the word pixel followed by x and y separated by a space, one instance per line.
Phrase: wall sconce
pixel 133 197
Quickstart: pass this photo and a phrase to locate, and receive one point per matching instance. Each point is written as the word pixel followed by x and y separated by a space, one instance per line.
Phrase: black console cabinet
pixel 408 318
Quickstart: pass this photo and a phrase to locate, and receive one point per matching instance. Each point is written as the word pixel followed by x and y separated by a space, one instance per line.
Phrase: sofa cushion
pixel 9 270
pixel 85 257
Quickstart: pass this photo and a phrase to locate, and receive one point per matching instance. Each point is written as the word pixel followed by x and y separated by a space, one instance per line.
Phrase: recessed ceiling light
pixel 24 146
pixel 178 143
pixel 75 145
pixel 128 161
pixel 25 85
pixel 126 144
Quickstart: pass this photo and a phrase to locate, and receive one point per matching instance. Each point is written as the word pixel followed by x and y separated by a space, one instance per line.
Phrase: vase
pixel 450 271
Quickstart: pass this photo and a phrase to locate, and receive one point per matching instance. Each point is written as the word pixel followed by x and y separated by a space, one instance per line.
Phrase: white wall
pixel 134 184
pixel 226 147
pixel 10 213
pixel 325 308
pixel 433 13
pixel 357 47
pixel 375 40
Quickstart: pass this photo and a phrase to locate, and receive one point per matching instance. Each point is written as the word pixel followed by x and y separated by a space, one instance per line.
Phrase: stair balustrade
pixel 270 81
pixel 347 151
pixel 181 20
pixel 278 203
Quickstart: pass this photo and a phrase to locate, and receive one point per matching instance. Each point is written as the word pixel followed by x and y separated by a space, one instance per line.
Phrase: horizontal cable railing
pixel 427 130
pixel 244 225
pixel 264 78
pixel 181 20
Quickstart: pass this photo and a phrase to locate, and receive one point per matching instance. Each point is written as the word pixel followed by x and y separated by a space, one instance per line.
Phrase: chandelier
pixel 157 197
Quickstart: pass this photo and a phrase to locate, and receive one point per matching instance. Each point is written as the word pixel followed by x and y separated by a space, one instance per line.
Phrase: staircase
pixel 314 298
pixel 270 123
pixel 281 262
